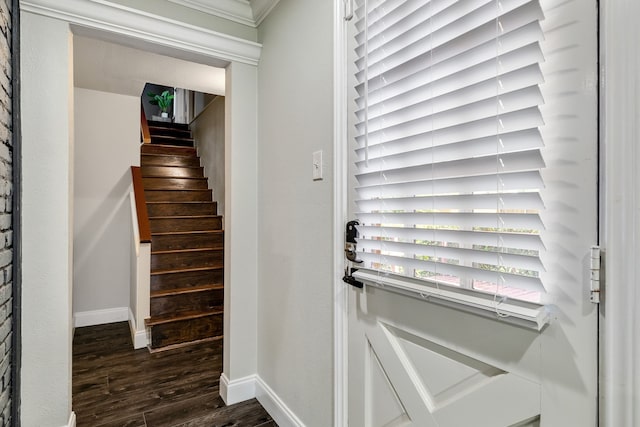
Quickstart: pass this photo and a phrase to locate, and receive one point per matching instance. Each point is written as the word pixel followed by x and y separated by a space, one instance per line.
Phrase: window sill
pixel 520 313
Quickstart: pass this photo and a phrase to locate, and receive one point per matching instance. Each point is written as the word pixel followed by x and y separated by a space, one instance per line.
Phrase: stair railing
pixel 140 261
pixel 144 227
pixel 144 127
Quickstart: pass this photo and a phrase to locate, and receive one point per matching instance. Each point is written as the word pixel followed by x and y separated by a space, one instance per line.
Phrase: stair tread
pixel 174 150
pixel 153 350
pixel 182 138
pixel 172 233
pixel 185 216
pixel 190 250
pixel 158 320
pixel 185 270
pixel 181 203
pixel 172 146
pixel 175 177
pixel 168 166
pixel 170 155
pixel 185 290
pixel 174 189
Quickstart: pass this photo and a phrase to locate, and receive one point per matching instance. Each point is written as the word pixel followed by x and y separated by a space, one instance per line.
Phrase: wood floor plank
pixel 114 385
pixel 185 410
pixel 134 421
pixel 244 414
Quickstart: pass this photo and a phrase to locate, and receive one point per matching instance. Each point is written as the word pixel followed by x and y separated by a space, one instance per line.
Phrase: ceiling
pixel 110 67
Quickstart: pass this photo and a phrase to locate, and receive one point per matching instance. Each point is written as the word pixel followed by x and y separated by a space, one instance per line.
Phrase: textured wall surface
pixel 6 228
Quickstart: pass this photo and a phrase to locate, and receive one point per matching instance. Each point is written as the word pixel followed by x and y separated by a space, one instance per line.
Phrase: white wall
pixel 208 131
pixel 240 250
pixel 295 293
pixel 47 149
pixel 107 144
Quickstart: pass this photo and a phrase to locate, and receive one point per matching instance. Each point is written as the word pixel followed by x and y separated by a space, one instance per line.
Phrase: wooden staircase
pixel 187 241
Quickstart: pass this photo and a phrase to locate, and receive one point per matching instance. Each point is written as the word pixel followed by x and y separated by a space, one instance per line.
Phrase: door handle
pixel 348 278
pixel 350 244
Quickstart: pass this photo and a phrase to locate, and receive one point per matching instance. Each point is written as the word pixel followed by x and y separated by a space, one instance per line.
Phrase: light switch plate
pixel 317 165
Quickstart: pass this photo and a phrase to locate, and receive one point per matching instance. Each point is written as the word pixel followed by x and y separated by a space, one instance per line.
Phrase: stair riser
pixel 165 149
pixel 166 140
pixel 191 302
pixel 164 225
pixel 179 161
pixel 187 241
pixel 178 196
pixel 179 133
pixel 175 183
pixel 181 209
pixel 172 172
pixel 187 279
pixel 168 125
pixel 186 330
pixel 180 260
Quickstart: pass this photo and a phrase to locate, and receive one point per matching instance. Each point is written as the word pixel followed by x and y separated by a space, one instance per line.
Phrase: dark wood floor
pixel 114 385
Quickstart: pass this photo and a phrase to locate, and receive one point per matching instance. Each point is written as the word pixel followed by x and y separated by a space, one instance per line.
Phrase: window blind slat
pixel 508 162
pixel 395 155
pixel 529 200
pixel 507 221
pixel 440 269
pixel 529 118
pixel 457 255
pixel 522 241
pixel 467 184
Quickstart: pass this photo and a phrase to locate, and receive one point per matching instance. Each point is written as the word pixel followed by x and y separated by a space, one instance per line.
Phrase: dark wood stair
pixel 187 241
pixel 170 134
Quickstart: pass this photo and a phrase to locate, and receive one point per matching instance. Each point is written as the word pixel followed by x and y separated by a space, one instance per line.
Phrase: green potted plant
pixel 163 101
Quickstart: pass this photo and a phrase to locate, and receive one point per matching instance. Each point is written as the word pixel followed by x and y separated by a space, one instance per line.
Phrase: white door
pixel 432 339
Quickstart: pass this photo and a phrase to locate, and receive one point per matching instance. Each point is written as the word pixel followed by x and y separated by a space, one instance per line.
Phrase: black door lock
pixel 352 231
pixel 351 234
pixel 350 243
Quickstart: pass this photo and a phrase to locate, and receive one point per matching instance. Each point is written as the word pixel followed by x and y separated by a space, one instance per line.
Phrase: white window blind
pixel 448 155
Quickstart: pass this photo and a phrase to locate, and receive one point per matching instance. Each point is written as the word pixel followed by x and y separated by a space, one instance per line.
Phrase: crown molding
pixel 122 20
pixel 246 12
pixel 233 10
pixel 261 8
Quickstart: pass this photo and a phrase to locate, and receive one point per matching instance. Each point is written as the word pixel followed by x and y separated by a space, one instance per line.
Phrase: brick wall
pixel 6 228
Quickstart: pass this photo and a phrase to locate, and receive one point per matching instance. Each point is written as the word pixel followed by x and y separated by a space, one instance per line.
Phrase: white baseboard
pixel 140 338
pixel 99 317
pixel 281 414
pixel 237 390
pixel 253 386
pixel 72 420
